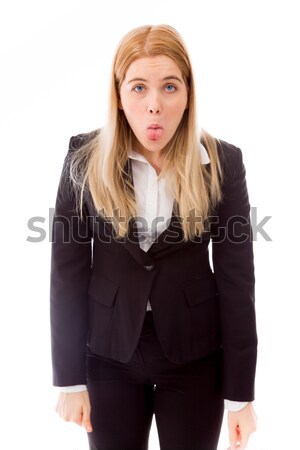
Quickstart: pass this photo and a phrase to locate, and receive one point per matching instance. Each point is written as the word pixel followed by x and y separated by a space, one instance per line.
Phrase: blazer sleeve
pixel 71 258
pixel 232 254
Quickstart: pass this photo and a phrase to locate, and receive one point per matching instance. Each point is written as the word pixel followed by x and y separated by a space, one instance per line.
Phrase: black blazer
pixel 100 286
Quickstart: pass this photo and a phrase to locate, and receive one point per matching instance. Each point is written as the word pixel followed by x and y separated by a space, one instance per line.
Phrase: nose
pixel 154 110
pixel 154 106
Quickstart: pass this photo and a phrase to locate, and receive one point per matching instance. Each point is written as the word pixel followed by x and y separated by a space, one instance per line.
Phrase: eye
pixel 138 88
pixel 170 88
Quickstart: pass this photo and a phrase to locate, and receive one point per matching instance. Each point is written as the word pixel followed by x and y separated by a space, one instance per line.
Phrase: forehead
pixel 161 64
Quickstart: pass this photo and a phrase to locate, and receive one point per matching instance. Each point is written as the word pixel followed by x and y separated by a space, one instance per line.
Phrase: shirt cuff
pixel 75 388
pixel 233 405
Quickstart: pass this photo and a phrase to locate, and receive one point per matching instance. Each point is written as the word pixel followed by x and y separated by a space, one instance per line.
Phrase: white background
pixel 55 62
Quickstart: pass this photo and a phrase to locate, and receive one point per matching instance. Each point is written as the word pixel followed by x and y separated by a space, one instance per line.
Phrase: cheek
pixel 176 113
pixel 132 115
pixel 130 106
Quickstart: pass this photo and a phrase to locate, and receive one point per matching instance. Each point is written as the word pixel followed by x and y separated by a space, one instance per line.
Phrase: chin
pixel 151 146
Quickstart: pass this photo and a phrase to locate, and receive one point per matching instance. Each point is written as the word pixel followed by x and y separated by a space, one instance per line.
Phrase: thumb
pixel 86 421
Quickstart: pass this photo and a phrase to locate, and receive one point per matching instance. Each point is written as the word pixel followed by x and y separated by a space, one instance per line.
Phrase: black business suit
pixel 100 299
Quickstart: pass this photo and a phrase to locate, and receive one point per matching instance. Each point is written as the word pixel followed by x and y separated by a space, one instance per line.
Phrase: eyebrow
pixel 170 77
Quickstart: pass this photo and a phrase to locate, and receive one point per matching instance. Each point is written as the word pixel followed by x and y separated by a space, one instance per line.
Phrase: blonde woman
pixel 141 324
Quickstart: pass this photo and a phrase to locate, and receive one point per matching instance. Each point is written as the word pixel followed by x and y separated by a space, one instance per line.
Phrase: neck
pixel 156 159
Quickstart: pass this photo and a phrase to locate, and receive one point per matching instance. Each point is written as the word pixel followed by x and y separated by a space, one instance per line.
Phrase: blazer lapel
pixel 172 235
pixel 169 236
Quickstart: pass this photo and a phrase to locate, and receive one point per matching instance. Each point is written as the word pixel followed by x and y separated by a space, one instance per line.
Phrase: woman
pixel 140 323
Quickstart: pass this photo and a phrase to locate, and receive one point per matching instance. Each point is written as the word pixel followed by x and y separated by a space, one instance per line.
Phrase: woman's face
pixel 153 97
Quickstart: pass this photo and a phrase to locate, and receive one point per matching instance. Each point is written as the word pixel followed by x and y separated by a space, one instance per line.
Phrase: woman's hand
pixel 75 407
pixel 240 425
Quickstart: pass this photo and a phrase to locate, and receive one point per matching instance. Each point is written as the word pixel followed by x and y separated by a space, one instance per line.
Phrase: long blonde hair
pixel 98 166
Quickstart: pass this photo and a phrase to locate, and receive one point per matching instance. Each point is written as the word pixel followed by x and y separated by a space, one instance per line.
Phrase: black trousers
pixel 185 398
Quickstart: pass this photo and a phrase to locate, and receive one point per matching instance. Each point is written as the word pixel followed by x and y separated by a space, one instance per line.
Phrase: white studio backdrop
pixel 55 63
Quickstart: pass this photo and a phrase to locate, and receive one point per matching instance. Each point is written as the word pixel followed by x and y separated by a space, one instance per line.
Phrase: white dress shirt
pixel 154 207
pixel 153 198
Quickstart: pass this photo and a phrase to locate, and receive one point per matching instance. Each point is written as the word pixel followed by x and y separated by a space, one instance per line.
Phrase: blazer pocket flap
pixel 200 289
pixel 102 289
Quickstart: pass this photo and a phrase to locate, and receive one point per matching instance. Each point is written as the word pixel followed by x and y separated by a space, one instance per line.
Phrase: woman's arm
pixel 234 273
pixel 70 272
pixel 232 252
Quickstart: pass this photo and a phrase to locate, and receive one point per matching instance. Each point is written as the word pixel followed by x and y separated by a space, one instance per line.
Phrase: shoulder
pixel 229 154
pixel 230 157
pixel 69 177
pixel 81 139
pixel 75 144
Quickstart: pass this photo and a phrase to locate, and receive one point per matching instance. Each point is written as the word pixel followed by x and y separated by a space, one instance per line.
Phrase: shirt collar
pixel 204 155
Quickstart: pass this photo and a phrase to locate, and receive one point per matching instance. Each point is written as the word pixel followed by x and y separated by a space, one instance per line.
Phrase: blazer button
pixel 149 267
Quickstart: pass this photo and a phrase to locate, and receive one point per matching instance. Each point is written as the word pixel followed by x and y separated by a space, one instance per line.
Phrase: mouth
pixel 155 127
pixel 155 132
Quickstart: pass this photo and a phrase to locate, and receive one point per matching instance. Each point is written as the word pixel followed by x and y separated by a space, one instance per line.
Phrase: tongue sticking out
pixel 154 133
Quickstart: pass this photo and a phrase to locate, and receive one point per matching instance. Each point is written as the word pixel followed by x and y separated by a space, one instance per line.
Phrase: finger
pixel 243 442
pixel 233 438
pixel 77 421
pixel 86 421
pixel 72 416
